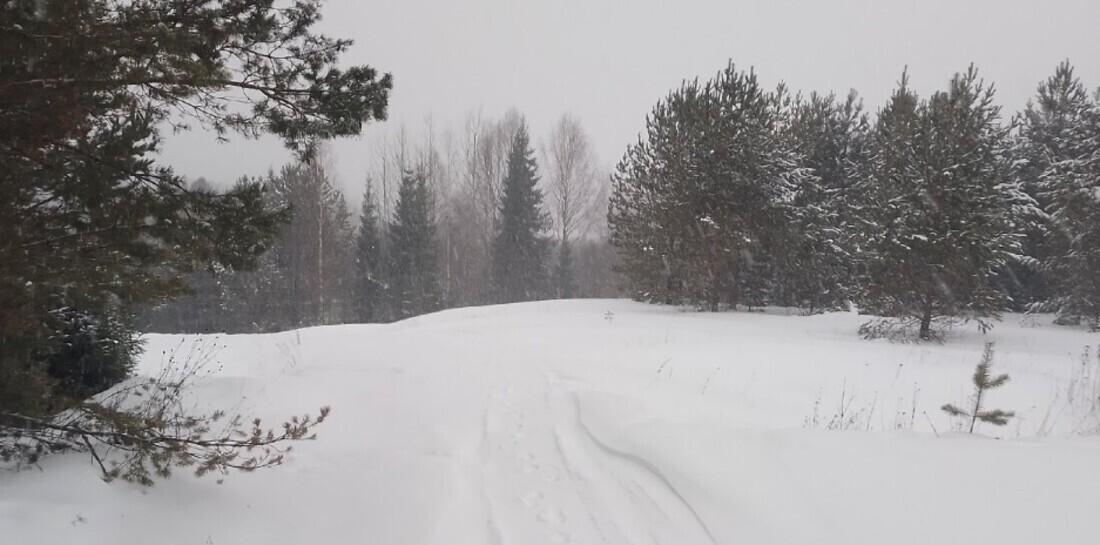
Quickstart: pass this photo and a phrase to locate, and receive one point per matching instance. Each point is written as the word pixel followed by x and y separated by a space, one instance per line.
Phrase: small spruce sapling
pixel 983 382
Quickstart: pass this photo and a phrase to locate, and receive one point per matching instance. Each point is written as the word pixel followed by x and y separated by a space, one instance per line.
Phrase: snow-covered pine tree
pixel 750 173
pixel 1059 105
pixel 815 271
pixel 942 214
pixel 519 258
pixel 85 89
pixel 414 272
pixel 642 214
pixel 369 261
pixel 890 172
pixel 1061 138
pixel 697 201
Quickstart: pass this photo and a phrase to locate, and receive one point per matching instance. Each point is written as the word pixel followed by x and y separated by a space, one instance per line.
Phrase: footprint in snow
pixel 527 463
pixel 559 538
pixel 551 476
pixel 551 516
pixel 531 498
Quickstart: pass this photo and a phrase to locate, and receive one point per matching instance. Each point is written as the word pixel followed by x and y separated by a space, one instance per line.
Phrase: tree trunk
pixel 977 407
pixel 320 257
pixel 715 286
pixel 926 326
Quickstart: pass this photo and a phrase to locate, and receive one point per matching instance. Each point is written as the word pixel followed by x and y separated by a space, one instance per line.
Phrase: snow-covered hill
pixel 610 422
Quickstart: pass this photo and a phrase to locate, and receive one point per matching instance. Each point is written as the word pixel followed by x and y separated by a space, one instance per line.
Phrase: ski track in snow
pixel 538 457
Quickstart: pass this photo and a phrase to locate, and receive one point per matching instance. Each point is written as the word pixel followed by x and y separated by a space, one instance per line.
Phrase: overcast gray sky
pixel 609 61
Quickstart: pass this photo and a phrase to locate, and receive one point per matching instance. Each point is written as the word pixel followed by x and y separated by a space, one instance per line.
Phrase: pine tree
pixel 983 382
pixel 697 204
pixel 414 269
pixel 260 294
pixel 816 267
pixel 1061 147
pixel 942 215
pixel 89 219
pixel 369 261
pixel 305 278
pixel 641 208
pixel 520 249
pixel 1059 105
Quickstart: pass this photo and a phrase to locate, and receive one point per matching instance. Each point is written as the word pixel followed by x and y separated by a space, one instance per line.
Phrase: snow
pixel 607 421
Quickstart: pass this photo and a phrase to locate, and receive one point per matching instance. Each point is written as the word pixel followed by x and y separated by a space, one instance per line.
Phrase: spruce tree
pixel 520 248
pixel 414 261
pixel 943 211
pixel 369 261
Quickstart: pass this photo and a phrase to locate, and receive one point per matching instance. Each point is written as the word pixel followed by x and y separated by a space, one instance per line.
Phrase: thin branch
pixel 95 455
pixel 185 82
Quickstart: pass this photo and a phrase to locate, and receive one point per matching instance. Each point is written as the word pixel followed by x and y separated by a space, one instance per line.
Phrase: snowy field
pixel 611 422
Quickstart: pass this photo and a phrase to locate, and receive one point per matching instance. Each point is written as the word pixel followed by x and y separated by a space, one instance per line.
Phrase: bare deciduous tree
pixel 571 175
pixel 575 192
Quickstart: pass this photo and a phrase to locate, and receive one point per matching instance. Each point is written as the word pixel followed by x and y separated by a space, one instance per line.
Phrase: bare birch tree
pixel 574 191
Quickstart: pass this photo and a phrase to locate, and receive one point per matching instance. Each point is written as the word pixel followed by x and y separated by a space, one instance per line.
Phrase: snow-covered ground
pixel 611 422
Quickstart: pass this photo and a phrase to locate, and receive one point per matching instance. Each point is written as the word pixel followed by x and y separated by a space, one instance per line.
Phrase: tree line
pixel 474 215
pixel 934 209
